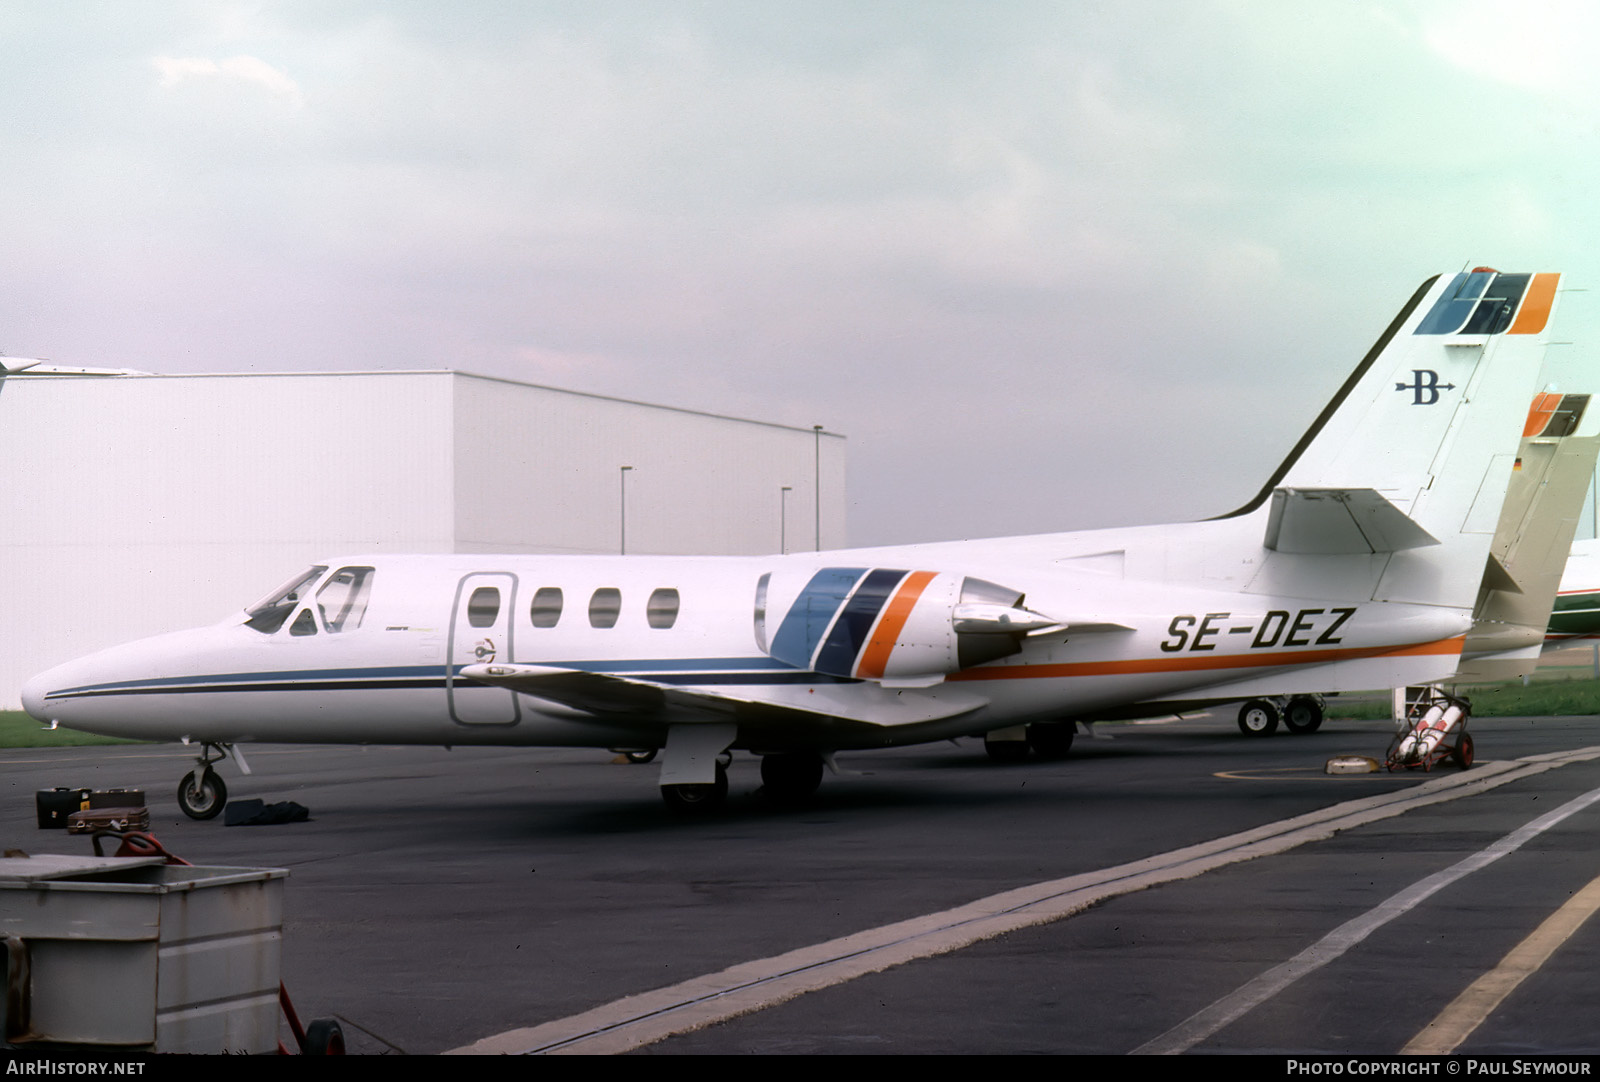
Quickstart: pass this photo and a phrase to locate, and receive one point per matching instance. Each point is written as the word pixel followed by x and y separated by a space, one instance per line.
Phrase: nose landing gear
pixel 201 793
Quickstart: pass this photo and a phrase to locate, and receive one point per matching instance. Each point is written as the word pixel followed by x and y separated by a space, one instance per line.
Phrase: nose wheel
pixel 201 793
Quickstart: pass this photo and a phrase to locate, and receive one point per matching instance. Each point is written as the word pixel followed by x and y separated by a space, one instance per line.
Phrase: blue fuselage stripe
pixel 677 671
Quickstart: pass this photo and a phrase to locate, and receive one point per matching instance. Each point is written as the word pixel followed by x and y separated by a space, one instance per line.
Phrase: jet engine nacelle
pixel 899 627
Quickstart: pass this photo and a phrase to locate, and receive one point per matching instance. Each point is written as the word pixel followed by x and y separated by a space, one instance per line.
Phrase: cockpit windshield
pixel 268 614
pixel 343 598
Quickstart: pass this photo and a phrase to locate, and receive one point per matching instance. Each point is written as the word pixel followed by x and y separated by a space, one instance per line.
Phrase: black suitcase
pixel 56 804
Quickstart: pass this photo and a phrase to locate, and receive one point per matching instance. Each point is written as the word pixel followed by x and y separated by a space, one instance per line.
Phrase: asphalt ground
pixel 440 898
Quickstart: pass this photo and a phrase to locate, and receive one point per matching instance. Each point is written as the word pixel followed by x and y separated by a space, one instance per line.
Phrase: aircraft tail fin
pixel 1531 544
pixel 1417 447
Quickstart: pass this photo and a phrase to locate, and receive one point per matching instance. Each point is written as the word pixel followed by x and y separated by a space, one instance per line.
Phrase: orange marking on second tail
pixel 1544 405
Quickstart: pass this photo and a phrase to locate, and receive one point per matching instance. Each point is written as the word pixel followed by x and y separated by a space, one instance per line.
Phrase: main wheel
pixel 697 799
pixel 640 756
pixel 1463 752
pixel 790 777
pixel 202 797
pixel 1006 751
pixel 1258 717
pixel 1303 714
pixel 1051 739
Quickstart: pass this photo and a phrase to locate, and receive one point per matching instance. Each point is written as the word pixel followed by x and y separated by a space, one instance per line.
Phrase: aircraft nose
pixel 33 693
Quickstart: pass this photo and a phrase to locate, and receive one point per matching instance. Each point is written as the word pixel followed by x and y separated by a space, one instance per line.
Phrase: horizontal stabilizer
pixel 1506 665
pixel 1339 521
pixel 606 693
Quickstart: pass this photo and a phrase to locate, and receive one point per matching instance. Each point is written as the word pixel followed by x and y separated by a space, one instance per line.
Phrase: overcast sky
pixel 1047 265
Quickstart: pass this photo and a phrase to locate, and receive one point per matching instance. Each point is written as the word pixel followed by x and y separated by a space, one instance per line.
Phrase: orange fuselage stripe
pixel 876 656
pixel 1536 306
pixel 1200 664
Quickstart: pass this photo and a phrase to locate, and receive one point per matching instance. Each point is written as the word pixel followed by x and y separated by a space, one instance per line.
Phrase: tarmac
pixel 1168 888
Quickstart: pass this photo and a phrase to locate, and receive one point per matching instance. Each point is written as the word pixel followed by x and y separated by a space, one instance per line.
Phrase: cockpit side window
pixel 304 624
pixel 268 614
pixel 342 601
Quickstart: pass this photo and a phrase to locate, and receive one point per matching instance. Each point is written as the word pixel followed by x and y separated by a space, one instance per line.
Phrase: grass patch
pixel 18 730
pixel 1554 698
pixel 1359 708
pixel 1545 697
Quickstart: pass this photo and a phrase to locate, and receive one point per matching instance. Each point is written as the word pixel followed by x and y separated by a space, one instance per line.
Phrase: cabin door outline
pixel 470 703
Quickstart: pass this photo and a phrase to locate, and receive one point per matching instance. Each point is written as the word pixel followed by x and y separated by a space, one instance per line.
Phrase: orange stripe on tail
pixel 1536 305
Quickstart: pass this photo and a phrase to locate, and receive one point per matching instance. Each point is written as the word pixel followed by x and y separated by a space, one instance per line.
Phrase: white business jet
pixel 1356 566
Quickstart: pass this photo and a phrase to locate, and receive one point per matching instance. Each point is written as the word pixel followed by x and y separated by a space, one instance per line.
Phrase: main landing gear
pixel 201 793
pixel 1299 713
pixel 694 770
pixel 1046 739
pixel 697 798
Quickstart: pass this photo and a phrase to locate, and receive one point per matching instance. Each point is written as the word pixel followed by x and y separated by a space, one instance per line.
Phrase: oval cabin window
pixel 546 611
pixel 483 607
pixel 604 607
pixel 662 608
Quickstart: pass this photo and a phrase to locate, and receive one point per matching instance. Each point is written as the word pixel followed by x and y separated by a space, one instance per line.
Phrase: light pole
pixel 816 481
pixel 622 507
pixel 783 519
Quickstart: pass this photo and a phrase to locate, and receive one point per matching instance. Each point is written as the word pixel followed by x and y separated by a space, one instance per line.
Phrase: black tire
pixel 324 1037
pixel 1302 715
pixel 203 797
pixel 640 756
pixel 1258 717
pixel 697 799
pixel 1464 752
pixel 1051 739
pixel 1006 751
pixel 791 777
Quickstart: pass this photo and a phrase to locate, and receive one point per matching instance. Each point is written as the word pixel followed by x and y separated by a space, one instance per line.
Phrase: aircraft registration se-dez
pixel 1356 566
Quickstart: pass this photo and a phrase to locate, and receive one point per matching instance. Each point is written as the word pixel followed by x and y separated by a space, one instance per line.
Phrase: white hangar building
pixel 136 504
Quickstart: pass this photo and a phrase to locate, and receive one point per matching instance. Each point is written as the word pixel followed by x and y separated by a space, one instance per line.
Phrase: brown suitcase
pixel 92 819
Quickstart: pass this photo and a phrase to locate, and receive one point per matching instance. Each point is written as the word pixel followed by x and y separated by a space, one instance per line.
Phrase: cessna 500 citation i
pixel 1356 566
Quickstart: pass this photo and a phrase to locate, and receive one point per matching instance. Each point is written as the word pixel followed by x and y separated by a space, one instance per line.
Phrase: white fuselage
pixel 687 630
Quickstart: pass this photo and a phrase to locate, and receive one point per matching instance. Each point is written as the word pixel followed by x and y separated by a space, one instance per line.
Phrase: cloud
pixel 246 69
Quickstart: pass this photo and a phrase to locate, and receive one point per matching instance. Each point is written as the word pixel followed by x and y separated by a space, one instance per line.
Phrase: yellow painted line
pixel 1457 1022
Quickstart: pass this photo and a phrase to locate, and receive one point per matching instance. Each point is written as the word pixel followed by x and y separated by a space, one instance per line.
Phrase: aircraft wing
pixel 607 693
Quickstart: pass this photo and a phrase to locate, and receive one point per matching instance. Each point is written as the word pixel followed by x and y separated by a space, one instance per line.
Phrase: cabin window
pixel 604 607
pixel 342 601
pixel 304 624
pixel 483 607
pixel 546 611
pixel 268 614
pixel 662 608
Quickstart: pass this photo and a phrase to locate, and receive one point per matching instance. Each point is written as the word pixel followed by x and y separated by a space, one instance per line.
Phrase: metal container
pixel 130 951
